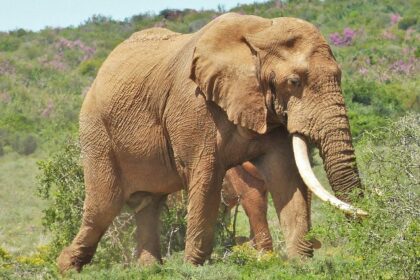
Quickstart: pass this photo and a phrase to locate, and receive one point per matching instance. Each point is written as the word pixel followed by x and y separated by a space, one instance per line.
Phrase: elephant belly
pixel 148 176
pixel 144 161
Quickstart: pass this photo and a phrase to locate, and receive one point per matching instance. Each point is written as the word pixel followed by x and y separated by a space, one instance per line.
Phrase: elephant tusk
pixel 300 150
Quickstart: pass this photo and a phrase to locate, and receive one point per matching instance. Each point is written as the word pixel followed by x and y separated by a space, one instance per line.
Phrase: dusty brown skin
pixel 243 185
pixel 171 110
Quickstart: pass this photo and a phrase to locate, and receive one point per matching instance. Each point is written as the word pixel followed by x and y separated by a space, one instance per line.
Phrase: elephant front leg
pixel 291 198
pixel 294 214
pixel 203 205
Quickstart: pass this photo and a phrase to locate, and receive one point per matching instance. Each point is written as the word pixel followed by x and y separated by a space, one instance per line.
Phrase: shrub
pixel 90 66
pixel 24 144
pixel 9 43
pixel 35 266
pixel 385 244
pixel 407 22
pixel 174 223
pixel 61 183
pixel 369 105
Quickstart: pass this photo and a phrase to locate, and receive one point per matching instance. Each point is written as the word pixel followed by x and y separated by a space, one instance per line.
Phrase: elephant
pixel 243 185
pixel 168 111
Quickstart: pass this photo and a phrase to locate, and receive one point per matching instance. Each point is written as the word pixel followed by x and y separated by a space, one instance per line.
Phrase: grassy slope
pixel 20 219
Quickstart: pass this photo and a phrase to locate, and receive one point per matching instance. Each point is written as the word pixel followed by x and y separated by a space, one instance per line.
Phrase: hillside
pixel 44 76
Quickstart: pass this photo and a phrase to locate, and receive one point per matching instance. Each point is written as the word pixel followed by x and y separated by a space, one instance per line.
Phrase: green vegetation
pixel 45 75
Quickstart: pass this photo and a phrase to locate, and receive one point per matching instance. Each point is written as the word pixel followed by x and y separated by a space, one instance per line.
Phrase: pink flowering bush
pixel 395 18
pixel 88 52
pixel 402 67
pixel 344 39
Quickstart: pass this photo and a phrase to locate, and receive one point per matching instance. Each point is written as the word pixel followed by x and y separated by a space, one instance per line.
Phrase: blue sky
pixel 36 14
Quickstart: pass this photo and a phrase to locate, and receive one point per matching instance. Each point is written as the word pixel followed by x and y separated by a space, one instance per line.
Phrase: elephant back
pixel 151 34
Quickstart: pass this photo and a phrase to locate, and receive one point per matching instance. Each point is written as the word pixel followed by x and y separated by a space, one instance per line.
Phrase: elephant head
pixel 281 72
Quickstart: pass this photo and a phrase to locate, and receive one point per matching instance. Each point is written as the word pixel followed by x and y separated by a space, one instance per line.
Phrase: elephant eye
pixel 294 80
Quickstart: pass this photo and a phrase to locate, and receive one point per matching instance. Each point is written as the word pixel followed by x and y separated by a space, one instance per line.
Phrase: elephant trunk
pixel 327 126
pixel 336 149
pixel 300 150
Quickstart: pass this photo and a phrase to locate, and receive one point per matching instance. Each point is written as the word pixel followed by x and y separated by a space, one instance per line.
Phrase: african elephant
pixel 170 110
pixel 243 185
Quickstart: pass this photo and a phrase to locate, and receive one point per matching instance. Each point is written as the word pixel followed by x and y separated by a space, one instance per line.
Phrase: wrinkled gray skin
pixel 170 110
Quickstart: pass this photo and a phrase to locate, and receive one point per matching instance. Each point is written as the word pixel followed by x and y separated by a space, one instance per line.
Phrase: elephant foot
pixel 73 259
pixel 148 259
pixel 195 256
pixel 303 249
pixel 262 242
pixel 194 260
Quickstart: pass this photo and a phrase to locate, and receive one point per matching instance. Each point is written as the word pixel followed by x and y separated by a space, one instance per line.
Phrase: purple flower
pixel 77 44
pixel 402 67
pixel 349 33
pixel 56 63
pixel 343 40
pixel 395 18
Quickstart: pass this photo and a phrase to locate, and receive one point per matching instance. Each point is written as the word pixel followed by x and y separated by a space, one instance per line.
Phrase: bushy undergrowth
pixel 386 244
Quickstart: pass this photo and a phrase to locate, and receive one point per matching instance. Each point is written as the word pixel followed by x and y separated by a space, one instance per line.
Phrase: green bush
pixel 61 183
pixel 385 245
pixel 9 43
pixel 24 144
pixel 369 105
pixel 407 22
pixel 90 66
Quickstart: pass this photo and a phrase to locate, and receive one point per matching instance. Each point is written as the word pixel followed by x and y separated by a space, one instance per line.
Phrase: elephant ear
pixel 224 67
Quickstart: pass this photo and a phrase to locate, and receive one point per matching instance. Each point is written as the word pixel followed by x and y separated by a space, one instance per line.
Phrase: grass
pixel 21 209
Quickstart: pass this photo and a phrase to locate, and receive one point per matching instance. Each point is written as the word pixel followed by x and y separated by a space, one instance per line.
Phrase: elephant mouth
pixel 269 103
pixel 276 109
pixel 300 150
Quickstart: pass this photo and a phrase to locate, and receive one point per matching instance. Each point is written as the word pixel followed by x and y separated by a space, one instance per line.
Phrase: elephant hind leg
pixel 103 202
pixel 253 198
pixel 148 208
